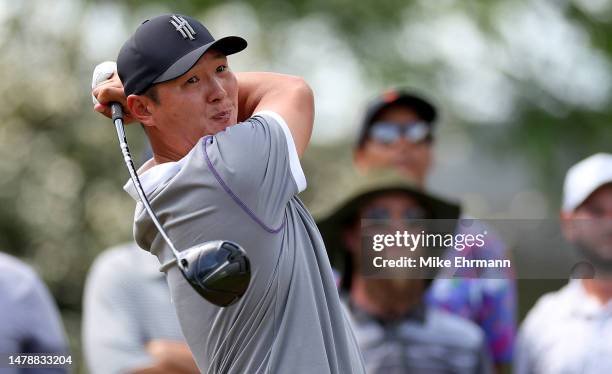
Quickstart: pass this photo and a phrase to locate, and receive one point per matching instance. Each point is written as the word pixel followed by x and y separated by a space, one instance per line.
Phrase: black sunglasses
pixel 389 132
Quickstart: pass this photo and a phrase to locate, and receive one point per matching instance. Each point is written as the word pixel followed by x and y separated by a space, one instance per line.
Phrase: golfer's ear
pixel 139 108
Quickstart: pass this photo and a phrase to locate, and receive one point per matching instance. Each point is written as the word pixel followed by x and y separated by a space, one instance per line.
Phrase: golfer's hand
pixel 111 90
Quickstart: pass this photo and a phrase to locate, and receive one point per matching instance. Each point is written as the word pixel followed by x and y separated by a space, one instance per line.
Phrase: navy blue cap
pixel 166 47
pixel 421 106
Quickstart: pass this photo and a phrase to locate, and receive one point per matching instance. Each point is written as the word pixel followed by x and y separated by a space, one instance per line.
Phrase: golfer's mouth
pixel 222 116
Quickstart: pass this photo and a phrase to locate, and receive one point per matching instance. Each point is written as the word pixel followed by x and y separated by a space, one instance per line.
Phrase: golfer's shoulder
pixel 268 117
pixel 262 127
pixel 252 146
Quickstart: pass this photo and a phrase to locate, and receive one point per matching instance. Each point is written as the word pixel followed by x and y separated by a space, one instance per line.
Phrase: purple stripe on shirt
pixel 233 195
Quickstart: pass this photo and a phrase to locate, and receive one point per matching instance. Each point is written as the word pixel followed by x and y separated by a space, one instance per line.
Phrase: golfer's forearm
pixel 289 96
pixel 255 88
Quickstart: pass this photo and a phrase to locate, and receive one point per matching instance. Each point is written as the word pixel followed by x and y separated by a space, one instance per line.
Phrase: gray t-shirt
pixel 126 304
pixel 29 319
pixel 240 185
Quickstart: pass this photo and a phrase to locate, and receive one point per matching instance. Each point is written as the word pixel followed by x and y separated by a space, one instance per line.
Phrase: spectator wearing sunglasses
pixel 397 132
pixel 396 332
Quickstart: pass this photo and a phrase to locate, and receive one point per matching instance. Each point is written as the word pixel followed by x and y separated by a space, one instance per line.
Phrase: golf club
pixel 218 270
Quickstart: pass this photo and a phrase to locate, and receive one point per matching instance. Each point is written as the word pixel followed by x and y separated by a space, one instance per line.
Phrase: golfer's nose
pixel 217 91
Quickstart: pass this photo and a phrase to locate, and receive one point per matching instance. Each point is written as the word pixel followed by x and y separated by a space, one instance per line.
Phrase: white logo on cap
pixel 183 27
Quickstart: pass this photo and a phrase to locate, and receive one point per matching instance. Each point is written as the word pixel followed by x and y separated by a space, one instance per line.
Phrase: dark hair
pixel 152 93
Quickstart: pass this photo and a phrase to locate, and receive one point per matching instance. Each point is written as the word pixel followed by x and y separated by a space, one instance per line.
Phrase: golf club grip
pixel 117 115
pixel 116 112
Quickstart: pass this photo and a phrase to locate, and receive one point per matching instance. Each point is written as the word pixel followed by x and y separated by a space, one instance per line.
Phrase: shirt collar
pixel 154 177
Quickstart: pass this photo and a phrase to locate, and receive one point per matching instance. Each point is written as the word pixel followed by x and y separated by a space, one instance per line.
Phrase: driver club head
pixel 219 271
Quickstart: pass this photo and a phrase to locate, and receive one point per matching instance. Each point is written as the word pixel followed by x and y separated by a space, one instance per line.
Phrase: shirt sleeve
pixel 257 164
pixel 112 342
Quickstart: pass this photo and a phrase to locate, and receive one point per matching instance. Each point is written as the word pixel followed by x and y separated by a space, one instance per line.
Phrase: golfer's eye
pixel 193 79
pixel 221 68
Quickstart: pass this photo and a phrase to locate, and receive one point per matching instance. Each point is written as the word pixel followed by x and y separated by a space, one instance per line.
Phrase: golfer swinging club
pixel 215 178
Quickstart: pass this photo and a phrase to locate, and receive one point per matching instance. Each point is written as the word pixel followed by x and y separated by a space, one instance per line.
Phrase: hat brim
pixel 570 205
pixel 438 208
pixel 227 45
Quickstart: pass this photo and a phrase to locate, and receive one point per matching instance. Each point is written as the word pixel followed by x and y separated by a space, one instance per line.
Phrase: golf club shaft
pixel 117 116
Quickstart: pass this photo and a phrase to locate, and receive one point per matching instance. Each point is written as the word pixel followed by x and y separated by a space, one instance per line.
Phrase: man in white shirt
pixel 570 331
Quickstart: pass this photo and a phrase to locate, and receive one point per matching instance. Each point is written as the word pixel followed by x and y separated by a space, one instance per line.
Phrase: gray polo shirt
pixel 29 319
pixel 426 341
pixel 126 304
pixel 241 185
